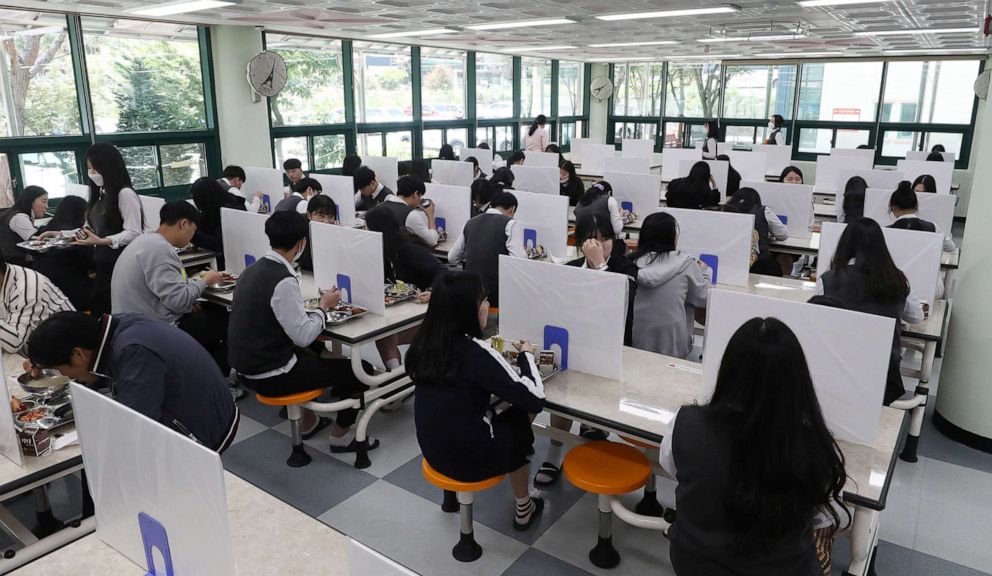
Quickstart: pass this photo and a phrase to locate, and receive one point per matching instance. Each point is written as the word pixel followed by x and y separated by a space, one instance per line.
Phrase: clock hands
pixel 268 81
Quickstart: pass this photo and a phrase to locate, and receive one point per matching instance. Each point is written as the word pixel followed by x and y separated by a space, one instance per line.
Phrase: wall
pixel 243 124
pixel 599 110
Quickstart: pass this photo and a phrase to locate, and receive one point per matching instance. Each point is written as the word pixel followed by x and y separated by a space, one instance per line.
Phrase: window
pixel 896 143
pixel 50 170
pixel 314 92
pixel 684 134
pixel 570 88
pixel 37 94
pixel 328 151
pixel 569 130
pixel 693 90
pixel 535 87
pixel 640 93
pixel 144 76
pixel 759 91
pixel 295 147
pixel 840 91
pixel 442 75
pixel 371 144
pixel 930 92
pixel 494 85
pixel 821 140
pixel 499 138
pixel 182 164
pixel 433 139
pixel 636 131
pixel 142 164
pixel 392 144
pixel 383 86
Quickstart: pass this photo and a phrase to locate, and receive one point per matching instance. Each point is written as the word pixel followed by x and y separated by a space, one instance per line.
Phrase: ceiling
pixel 809 30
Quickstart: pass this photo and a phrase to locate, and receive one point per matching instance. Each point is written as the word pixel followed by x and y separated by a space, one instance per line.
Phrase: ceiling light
pixel 814 3
pixel 429 32
pixel 976 51
pixel 521 24
pixel 621 44
pixel 797 54
pixel 670 13
pixel 621 59
pixel 916 31
pixel 536 48
pixel 751 38
pixel 39 31
pixel 703 57
pixel 179 7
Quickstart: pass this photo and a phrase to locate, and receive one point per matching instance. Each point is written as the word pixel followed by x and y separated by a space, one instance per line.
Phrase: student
pixel 569 183
pixel 537 135
pixel 599 200
pixel 26 299
pixel 710 144
pixel 905 206
pixel 482 193
pixel 775 124
pixel 925 183
pixel 733 176
pixel 303 190
pixel 270 327
pixel 554 149
pixel 68 268
pixel 763 422
pixel 477 174
pixel 368 191
pixel 321 208
pixel 503 177
pixel 17 223
pixel 854 200
pixel 351 163
pixel 294 171
pixel 864 278
pixel 670 286
pixel 409 209
pixel 486 237
pixel 407 258
pixel 155 369
pixel 696 191
pixel 447 152
pixel 115 217
pixel 935 157
pixel 456 374
pixel 517 157
pixel 419 170
pixel 210 198
pixel 233 181
pixel 149 279
pixel 791 175
pixel 767 226
pixel 938 148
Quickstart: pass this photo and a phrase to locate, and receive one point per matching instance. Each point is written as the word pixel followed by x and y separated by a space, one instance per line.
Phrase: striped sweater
pixel 26 299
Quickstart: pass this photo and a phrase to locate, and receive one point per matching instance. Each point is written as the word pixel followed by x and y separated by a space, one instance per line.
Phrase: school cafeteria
pixel 495 288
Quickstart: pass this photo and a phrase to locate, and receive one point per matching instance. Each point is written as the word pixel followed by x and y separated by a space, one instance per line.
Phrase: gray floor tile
pixel 313 489
pixel 955 518
pixel 248 427
pixel 534 562
pixel 416 533
pixel 894 560
pixel 266 415
pixel 901 514
pixel 935 445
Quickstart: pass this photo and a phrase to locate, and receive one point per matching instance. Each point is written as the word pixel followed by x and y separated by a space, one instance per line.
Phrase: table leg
pixel 864 538
pixel 948 282
pixel 361 430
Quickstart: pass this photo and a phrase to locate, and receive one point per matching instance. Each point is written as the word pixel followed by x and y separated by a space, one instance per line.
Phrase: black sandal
pixel 538 507
pixel 549 470
pixel 322 422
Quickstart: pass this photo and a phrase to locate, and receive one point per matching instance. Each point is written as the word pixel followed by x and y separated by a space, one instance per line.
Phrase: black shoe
pixel 538 507
pixel 590 433
pixel 284 413
pixel 551 471
pixel 353 447
pixel 322 422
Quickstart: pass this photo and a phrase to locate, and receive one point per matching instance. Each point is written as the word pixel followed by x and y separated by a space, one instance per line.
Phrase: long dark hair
pixel 659 235
pixel 386 223
pixel 350 164
pixel 107 160
pixel 863 241
pixel 596 191
pixel 447 152
pixel 854 198
pixel 592 225
pixel 26 198
pixel 904 198
pixel 778 120
pixel 791 169
pixel 928 181
pixel 516 156
pixel 209 197
pixel 746 200
pixel 785 465
pixel 70 214
pixel 570 168
pixel 539 121
pixel 935 157
pixel 713 129
pixel 452 314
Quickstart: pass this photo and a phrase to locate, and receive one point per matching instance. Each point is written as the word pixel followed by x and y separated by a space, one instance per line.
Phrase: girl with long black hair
pixel 791 175
pixel 767 227
pixel 210 197
pixel 756 466
pixel 853 206
pixel 115 217
pixel 775 124
pixel 864 278
pixel 447 152
pixel 569 183
pixel 17 223
pixel 599 200
pixel 710 144
pixel 68 268
pixel 695 191
pixel 925 183
pixel 537 136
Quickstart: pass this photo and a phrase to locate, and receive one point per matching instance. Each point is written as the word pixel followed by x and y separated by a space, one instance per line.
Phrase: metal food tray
pixel 45 245
pixel 336 317
pixel 400 297
pixel 223 287
pixel 58 412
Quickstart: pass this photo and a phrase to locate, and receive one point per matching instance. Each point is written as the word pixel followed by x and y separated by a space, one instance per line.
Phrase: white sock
pixel 343 440
pixel 392 364
pixel 554 455
pixel 525 507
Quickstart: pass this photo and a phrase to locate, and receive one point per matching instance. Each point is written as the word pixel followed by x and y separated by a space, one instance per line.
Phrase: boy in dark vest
pixel 408 209
pixel 368 191
pixel 303 191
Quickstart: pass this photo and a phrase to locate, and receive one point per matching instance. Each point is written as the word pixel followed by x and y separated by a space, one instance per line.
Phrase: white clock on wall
pixel 601 87
pixel 267 73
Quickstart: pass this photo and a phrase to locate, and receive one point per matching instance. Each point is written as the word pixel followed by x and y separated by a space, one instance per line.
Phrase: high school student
pixel 670 286
pixel 294 170
pixel 17 223
pixel 925 183
pixel 537 135
pixel 710 144
pixel 321 208
pixel 938 148
pixel 935 157
pixel 853 206
pixel 210 198
pixel 368 190
pixel 351 163
pixel 791 175
pixel 68 268
pixel 733 176
pixel 517 157
pixel 457 374
pixel 409 209
pixel 863 277
pixel 482 193
pixel 26 299
pixel 695 191
pixel 477 174
pixel 569 183
pixel 503 178
pixel 767 226
pixel 303 190
pixel 599 200
pixel 447 152
pixel 555 149
pixel 233 182
pixel 905 206
pixel 775 124
pixel 756 465
pixel 420 170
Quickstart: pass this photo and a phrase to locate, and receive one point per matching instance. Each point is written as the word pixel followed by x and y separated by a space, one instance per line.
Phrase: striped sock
pixel 525 507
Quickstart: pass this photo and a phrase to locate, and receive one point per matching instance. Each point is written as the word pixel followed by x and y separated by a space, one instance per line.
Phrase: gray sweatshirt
pixel 670 287
pixel 149 279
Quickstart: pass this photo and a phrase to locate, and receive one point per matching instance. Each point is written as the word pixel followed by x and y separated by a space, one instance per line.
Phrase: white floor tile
pixel 901 514
pixel 248 428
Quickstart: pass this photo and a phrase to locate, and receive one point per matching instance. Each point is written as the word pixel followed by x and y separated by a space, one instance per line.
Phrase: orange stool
pixel 607 469
pixel 299 457
pixel 649 505
pixel 467 549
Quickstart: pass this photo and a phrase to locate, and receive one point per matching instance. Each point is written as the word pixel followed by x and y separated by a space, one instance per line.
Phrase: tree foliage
pixel 42 86
pixel 158 88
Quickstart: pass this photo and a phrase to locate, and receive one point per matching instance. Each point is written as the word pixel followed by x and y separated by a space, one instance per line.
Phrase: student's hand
pixel 49 234
pixel 430 210
pixel 524 346
pixel 31 369
pixel 330 298
pixel 424 297
pixel 592 249
pixel 703 265
pixel 87 237
pixel 260 195
pixel 212 277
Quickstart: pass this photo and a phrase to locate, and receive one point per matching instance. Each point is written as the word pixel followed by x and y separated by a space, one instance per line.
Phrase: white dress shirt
pixel 130 207
pixel 949 245
pixel 21 224
pixel 417 223
pixel 514 241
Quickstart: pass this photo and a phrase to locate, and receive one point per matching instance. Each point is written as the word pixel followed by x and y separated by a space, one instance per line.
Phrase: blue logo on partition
pixel 249 260
pixel 154 537
pixel 267 202
pixel 337 212
pixel 628 206
pixel 557 336
pixel 783 218
pixel 439 223
pixel 713 261
pixel 344 284
pixel 530 238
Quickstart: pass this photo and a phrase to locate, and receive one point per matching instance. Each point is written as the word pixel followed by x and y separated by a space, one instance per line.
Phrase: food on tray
pixel 32 415
pixel 629 217
pixel 18 405
pixel 536 253
pixel 225 276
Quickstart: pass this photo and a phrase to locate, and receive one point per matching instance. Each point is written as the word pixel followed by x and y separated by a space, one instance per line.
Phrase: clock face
pixel 601 87
pixel 267 73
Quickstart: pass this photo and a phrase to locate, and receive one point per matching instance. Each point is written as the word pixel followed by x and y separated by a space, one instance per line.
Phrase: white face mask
pixel 96 177
pixel 563 180
pixel 771 125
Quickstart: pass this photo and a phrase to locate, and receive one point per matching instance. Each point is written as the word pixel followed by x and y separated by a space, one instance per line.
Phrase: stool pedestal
pixel 298 458
pixel 604 555
pixel 649 505
pixel 467 549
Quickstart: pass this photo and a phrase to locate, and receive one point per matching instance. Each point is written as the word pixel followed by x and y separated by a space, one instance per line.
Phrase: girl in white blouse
pixel 17 223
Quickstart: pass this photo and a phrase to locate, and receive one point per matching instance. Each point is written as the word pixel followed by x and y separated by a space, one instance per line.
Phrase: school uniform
pixel 710 149
pixel 670 287
pixel 458 433
pixel 573 189
pixel 776 137
pixel 733 181
pixel 948 246
pixel 69 270
pixel 209 233
pixel 607 208
pixel 415 220
pixel 697 450
pixel 251 204
pixel 26 299
pixel 294 201
pixel 618 263
pixel 15 227
pixel 120 233
pixel 484 238
pixel 766 226
pixel 681 195
pixel 364 203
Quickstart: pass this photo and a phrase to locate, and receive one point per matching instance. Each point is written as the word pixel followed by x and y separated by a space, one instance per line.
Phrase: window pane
pixel 851 138
pixel 570 88
pixel 292 148
pixel 144 76
pixel 937 91
pixel 535 87
pixel 841 91
pixel 740 135
pixel 183 163
pixel 620 89
pixel 50 170
pixel 37 95
pixel 314 92
pixel 693 90
pixel 759 91
pixel 815 140
pixel 443 83
pixel 432 143
pixel 328 151
pixel 399 145
pixel 897 143
pixel 569 130
pixel 637 131
pixel 142 165
pixel 674 132
pixel 383 88
pixel 458 138
pixel 494 85
pixel 370 144
pixel 951 142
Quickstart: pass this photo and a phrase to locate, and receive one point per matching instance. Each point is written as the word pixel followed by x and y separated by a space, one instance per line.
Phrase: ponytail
pixel 540 120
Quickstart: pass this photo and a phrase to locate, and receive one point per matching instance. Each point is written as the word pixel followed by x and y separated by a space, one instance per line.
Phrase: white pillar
pixel 964 397
pixel 598 110
pixel 242 121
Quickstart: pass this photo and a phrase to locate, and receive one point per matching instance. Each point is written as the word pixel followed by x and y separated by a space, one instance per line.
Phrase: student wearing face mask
pixel 320 208
pixel 775 124
pixel 569 183
pixel 115 218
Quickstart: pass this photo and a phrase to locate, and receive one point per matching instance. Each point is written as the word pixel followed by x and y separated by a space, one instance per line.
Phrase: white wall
pixel 243 124
pixel 598 110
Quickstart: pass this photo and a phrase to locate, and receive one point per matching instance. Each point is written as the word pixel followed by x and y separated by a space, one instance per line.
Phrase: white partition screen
pixel 244 238
pixel 341 189
pixel 594 158
pixel 672 159
pixel 639 193
pixel 351 260
pixel 779 157
pixel 577 146
pixel 10 445
pixel 854 153
pixel 936 208
pixel 631 164
pixel 637 148
pixel 541 179
pixel 751 165
pixel 829 167
pixel 483 156
pixel 793 203
pixel 544 218
pixel 720 239
pixel 942 172
pixel 454 207
pixel 881 179
pixel 268 181
pixel 452 172
pixel 387 170
pixel 151 207
pixel 541 159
